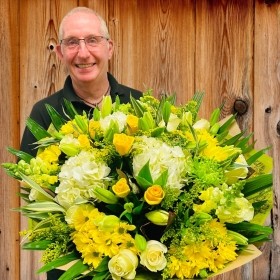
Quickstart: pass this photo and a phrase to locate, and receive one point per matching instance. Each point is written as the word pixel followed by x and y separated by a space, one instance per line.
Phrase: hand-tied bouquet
pixel 145 190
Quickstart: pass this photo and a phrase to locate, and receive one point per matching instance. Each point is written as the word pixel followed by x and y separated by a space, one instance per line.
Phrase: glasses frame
pixel 88 45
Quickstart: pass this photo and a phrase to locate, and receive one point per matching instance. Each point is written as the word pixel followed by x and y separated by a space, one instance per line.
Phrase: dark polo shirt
pixel 40 115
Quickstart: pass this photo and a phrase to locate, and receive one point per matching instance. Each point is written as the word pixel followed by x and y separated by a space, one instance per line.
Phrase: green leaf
pixel 162 179
pixel 101 275
pixel 22 155
pixel 37 130
pixel 233 140
pixel 82 123
pixel 103 266
pixel 256 184
pixel 70 109
pixel 37 245
pixel 44 206
pixel 75 270
pixel 57 119
pixel 157 131
pixel 137 107
pixel 144 177
pixel 227 124
pixel 58 262
pixel 256 155
pixel 35 186
pixel 166 111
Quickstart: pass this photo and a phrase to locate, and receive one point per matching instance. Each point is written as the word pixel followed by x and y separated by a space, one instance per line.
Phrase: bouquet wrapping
pixel 145 190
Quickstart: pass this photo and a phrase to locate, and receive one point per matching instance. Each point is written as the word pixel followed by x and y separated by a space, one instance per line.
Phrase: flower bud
pixel 108 223
pixel 105 195
pixel 158 217
pixel 202 124
pixel 140 242
pixel 69 149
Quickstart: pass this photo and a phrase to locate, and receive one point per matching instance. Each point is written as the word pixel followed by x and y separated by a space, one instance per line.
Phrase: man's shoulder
pixel 52 99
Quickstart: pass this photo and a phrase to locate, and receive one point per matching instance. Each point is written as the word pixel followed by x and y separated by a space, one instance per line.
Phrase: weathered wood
pixel 41 75
pixel 228 49
pixel 9 119
pixel 266 117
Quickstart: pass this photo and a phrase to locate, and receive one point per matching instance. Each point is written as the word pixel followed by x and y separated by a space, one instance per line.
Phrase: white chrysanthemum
pixel 78 176
pixel 118 117
pixel 161 157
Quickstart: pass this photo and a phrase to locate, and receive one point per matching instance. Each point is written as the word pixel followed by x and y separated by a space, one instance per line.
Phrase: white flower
pixel 238 211
pixel 161 157
pixel 118 117
pixel 202 124
pixel 153 256
pixel 123 265
pixel 173 122
pixel 78 176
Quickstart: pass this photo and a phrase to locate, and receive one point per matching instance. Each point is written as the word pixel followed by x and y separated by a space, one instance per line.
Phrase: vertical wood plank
pixel 9 119
pixel 224 55
pixel 154 45
pixel 41 75
pixel 267 119
pixel 224 66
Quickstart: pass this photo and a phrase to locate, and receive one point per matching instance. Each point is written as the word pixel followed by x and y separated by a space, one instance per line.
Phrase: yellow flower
pixel 154 195
pixel 84 141
pixel 121 188
pixel 50 154
pixel 123 143
pixel 94 126
pixel 132 123
pixel 67 128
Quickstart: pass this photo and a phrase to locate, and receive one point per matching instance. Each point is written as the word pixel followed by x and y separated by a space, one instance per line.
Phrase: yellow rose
pixel 84 141
pixel 154 195
pixel 132 123
pixel 123 143
pixel 121 188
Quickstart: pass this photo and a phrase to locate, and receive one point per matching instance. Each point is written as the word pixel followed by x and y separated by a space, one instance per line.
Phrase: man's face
pixel 85 64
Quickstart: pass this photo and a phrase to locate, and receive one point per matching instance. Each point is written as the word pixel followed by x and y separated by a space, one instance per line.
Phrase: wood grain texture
pixel 228 49
pixel 266 119
pixel 9 119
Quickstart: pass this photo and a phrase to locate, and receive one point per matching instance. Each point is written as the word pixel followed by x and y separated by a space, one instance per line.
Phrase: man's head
pixel 85 46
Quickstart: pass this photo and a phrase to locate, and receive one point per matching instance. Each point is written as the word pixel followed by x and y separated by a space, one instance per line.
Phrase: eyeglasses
pixel 73 43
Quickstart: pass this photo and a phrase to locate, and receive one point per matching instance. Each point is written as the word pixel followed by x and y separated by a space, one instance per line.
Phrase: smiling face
pixel 85 64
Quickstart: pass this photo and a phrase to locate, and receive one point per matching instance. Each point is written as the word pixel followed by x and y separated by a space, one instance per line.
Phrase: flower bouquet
pixel 145 190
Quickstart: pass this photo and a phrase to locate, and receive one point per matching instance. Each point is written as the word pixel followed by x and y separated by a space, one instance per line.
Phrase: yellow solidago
pixel 94 127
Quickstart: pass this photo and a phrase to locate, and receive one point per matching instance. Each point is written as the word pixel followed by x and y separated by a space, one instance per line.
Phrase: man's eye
pixel 92 40
pixel 72 42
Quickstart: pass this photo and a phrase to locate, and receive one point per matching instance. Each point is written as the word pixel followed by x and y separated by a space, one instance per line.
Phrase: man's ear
pixel 111 48
pixel 58 51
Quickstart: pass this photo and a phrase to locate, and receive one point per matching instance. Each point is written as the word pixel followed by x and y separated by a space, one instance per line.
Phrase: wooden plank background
pixel 229 49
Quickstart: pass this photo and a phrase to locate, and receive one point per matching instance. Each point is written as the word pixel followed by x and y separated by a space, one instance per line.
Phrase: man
pixel 85 49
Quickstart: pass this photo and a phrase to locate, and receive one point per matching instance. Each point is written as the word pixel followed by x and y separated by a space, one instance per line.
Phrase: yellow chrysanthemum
pixel 212 249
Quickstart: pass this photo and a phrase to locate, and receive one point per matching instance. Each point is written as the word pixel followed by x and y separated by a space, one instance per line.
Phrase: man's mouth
pixel 85 65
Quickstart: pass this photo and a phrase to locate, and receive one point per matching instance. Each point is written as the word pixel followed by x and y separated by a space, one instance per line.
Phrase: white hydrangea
pixel 78 177
pixel 161 157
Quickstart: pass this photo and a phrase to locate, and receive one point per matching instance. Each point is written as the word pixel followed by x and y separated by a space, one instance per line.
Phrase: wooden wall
pixel 229 49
